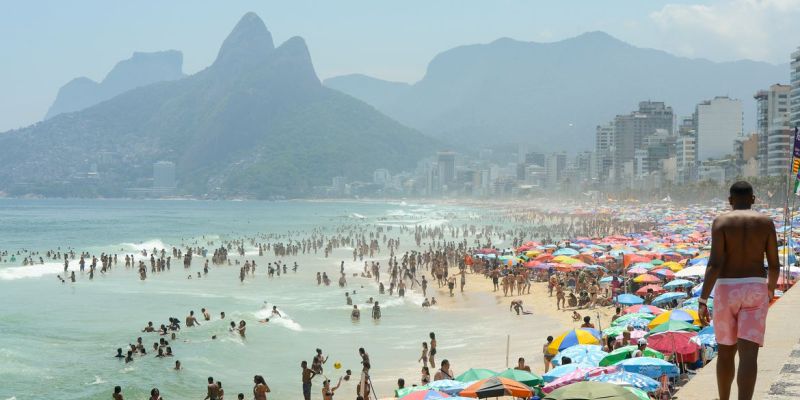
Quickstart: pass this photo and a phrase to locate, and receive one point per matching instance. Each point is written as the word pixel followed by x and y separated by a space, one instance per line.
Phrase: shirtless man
pixel 191 320
pixel 213 390
pixel 206 315
pixel 739 241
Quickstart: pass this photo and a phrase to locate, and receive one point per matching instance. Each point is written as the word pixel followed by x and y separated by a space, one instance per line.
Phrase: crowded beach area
pixel 508 300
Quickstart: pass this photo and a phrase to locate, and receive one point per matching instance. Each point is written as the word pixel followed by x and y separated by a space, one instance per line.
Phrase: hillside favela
pixel 412 200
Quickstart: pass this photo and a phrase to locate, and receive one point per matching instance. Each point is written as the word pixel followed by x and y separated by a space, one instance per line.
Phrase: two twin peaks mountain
pixel 259 122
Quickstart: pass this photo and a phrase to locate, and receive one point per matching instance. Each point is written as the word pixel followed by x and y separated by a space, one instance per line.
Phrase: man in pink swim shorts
pixel 739 241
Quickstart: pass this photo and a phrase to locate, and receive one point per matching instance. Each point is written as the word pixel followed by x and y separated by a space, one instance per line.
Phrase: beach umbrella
pixel 475 374
pixel 694 270
pixel 582 354
pixel 673 266
pixel 639 393
pixel 646 265
pixel 521 376
pixel 654 288
pixel 626 352
pixel 664 273
pixel 633 316
pixel 679 342
pixel 643 308
pixel 496 387
pixel 692 304
pixel 637 323
pixel 635 334
pixel 668 297
pixel 614 330
pixel 425 395
pixel 624 378
pixel 579 375
pixel 606 279
pixel 566 252
pixel 408 390
pixel 676 315
pixel 573 337
pixel 674 326
pixel 649 366
pixel 628 299
pixel 678 283
pixel 637 271
pixel 592 391
pixel 562 370
pixel 448 386
pixel 646 278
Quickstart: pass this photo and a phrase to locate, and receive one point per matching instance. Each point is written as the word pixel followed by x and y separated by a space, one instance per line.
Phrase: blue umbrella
pixel 565 252
pixel 678 283
pixel 589 354
pixel 606 279
pixel 623 378
pixel 636 323
pixel 649 366
pixel 629 299
pixel 562 370
pixel 448 386
pixel 668 297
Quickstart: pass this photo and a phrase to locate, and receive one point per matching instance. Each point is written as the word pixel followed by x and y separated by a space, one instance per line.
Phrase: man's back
pixel 744 238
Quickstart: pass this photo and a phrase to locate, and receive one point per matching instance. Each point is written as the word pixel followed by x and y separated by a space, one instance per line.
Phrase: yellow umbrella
pixel 680 314
pixel 673 266
pixel 532 253
pixel 566 260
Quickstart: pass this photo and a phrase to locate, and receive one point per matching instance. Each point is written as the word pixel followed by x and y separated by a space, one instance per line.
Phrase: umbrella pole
pixel 508 347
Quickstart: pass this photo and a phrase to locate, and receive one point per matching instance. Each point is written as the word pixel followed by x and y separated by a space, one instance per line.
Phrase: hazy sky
pixel 46 43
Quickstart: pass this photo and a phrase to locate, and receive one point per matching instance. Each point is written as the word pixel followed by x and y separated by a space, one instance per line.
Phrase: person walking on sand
pixel 548 357
pixel 740 240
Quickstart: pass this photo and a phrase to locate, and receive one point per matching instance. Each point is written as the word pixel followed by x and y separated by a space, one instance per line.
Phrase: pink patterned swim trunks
pixel 740 310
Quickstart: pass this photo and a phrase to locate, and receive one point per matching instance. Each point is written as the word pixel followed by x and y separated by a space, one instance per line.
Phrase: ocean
pixel 59 340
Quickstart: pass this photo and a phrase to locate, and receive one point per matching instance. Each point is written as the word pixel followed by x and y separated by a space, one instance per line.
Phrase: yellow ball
pixel 337 365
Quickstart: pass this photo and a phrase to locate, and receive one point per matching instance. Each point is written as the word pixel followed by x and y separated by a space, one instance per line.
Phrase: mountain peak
pixel 249 40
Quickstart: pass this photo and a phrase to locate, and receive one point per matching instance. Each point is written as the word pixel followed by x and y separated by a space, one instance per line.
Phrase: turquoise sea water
pixel 58 340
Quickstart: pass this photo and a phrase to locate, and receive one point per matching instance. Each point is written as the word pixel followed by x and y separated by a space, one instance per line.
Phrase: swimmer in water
pixel 356 313
pixel 276 312
pixel 191 320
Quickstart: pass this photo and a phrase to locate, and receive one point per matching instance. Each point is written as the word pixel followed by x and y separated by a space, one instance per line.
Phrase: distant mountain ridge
pixel 141 69
pixel 257 123
pixel 510 91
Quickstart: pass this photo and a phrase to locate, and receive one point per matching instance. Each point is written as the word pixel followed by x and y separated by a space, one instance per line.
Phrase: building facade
pixel 772 114
pixel 631 130
pixel 718 122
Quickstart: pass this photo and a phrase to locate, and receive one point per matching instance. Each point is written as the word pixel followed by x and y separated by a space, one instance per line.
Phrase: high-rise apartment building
pixel 794 96
pixel 772 127
pixel 631 130
pixel 446 163
pixel 718 122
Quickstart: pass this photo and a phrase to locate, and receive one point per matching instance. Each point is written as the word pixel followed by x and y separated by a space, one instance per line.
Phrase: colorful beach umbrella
pixel 448 386
pixel 591 391
pixel 626 352
pixel 668 297
pixel 624 378
pixel 566 252
pixel 674 326
pixel 643 308
pixel 562 370
pixel 628 299
pixel 573 337
pixel 496 387
pixel 676 315
pixel 646 278
pixel 650 288
pixel 627 317
pixel 649 366
pixel 678 342
pixel 582 354
pixel 425 395
pixel 579 375
pixel 475 374
pixel 521 376
pixel 674 284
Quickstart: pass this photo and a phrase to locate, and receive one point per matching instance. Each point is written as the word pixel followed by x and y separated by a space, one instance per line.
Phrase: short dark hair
pixel 741 189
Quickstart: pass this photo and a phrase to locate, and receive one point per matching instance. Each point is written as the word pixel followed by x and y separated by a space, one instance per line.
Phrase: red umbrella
pixel 643 308
pixel 656 289
pixel 678 342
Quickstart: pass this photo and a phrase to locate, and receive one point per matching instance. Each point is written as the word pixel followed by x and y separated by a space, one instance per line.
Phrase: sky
pixel 45 44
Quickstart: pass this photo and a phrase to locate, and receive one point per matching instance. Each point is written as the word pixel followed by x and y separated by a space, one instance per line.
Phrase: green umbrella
pixel 674 325
pixel 475 374
pixel 626 352
pixel 405 391
pixel 591 391
pixel 521 376
pixel 627 317
pixel 614 331
pixel 640 394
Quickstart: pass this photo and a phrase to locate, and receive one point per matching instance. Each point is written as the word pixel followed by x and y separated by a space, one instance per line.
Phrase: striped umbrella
pixel 631 379
pixel 572 338
pixel 496 387
pixel 676 315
